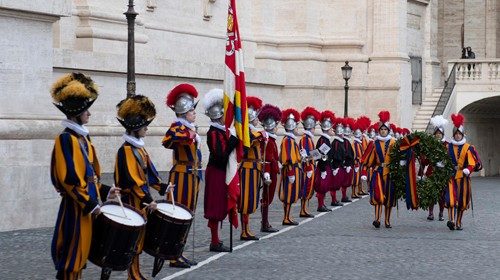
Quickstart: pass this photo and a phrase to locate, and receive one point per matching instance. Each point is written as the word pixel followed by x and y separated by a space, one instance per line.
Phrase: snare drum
pixel 114 236
pixel 167 230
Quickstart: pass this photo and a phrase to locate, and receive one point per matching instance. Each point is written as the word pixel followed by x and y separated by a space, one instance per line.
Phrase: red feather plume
pixel 310 111
pixel 384 116
pixel 286 113
pixel 327 115
pixel 363 122
pixel 375 126
pixel 270 111
pixel 458 119
pixel 254 102
pixel 174 94
pixel 394 128
pixel 338 121
pixel 348 122
pixel 406 131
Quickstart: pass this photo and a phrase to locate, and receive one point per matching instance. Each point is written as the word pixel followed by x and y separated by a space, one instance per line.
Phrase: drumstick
pixel 171 190
pixel 121 204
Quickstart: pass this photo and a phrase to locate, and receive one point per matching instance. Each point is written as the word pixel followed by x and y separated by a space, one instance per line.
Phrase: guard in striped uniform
pixel 363 123
pixel 75 174
pixel 377 156
pixel 291 165
pixel 269 117
pixel 357 145
pixel 220 145
pixel 184 142
pixel 324 177
pixel 463 156
pixel 251 170
pixel 135 173
pixel 310 117
pixel 349 158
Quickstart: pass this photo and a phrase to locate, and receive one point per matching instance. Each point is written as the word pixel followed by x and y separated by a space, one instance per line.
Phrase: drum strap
pixel 141 162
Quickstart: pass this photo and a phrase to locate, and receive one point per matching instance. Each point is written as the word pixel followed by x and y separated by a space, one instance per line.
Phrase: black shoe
pixel 430 217
pixel 218 248
pixel 459 228
pixel 441 217
pixel 307 215
pixel 248 238
pixel 290 223
pixel 269 228
pixel 346 200
pixel 336 203
pixel 450 225
pixel 324 209
pixel 376 224
pixel 188 261
pixel 179 264
pixel 388 226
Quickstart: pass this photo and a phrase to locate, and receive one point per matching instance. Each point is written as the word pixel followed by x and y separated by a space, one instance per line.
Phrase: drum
pixel 167 230
pixel 114 236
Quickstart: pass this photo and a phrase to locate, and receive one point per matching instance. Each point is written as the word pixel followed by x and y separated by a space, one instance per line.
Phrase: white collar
pixel 357 140
pixel 186 123
pixel 291 135
pixel 459 143
pixel 80 129
pixel 443 139
pixel 272 135
pixel 380 138
pixel 136 142
pixel 327 136
pixel 218 125
pixel 307 132
pixel 338 138
pixel 252 127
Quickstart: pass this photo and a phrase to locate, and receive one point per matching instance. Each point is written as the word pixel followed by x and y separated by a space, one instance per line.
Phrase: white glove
pixel 267 176
pixel 291 179
pixel 348 169
pixel 440 164
pixel 364 178
pixel 335 171
pixel 323 175
pixel 232 130
pixel 198 139
pixel 280 165
pixel 309 174
pixel 402 162
pixel 466 172
pixel 356 169
pixel 419 178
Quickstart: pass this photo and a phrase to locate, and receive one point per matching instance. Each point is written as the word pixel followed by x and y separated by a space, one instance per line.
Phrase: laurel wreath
pixel 429 189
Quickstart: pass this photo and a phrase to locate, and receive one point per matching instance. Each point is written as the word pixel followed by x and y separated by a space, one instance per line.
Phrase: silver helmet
pixel 252 114
pixel 181 98
pixel 339 129
pixel 184 104
pixel 358 133
pixel 269 124
pixel 326 124
pixel 347 131
pixel 309 122
pixel 213 104
pixel 290 121
pixel 372 133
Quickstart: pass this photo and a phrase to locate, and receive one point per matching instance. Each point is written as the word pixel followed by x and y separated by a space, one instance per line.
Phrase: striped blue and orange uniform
pixel 134 174
pixel 307 187
pixel 458 192
pixel 75 173
pixel 250 174
pixel 291 166
pixel 377 156
pixel 357 146
pixel 186 160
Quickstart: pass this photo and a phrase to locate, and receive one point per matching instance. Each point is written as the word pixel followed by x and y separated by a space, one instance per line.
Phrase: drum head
pixel 115 213
pixel 177 213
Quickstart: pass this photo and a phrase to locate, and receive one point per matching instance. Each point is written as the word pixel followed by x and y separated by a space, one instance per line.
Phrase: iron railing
pixel 449 85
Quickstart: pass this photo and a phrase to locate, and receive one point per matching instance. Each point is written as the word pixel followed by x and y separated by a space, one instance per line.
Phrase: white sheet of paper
pixel 315 154
pixel 324 149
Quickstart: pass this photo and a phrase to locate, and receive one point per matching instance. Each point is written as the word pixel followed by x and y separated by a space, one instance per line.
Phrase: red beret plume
pixel 174 94
pixel 406 131
pixel 384 116
pixel 328 115
pixel 394 128
pixel 363 122
pixel 310 111
pixel 270 111
pixel 338 121
pixel 458 119
pixel 348 122
pixel 254 102
pixel 375 126
pixel 355 126
pixel 286 113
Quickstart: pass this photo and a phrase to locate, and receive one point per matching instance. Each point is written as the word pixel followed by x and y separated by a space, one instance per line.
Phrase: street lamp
pixel 346 74
pixel 130 14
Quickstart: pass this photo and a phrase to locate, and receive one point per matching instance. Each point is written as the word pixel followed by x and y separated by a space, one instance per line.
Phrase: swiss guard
pixel 269 116
pixel 377 156
pixel 465 160
pixel 324 177
pixel 184 142
pixel 310 117
pixel 291 173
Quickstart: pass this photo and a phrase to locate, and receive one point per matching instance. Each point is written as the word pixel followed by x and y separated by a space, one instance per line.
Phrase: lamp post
pixel 346 74
pixel 130 14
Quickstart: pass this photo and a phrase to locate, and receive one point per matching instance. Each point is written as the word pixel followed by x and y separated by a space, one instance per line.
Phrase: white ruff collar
pixel 291 135
pixel 186 123
pixel 252 127
pixel 218 125
pixel 357 140
pixel 80 129
pixel 338 138
pixel 327 136
pixel 458 143
pixel 380 138
pixel 307 132
pixel 272 135
pixel 136 142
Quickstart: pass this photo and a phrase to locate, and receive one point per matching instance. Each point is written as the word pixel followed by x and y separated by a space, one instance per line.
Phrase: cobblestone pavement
pixel 339 245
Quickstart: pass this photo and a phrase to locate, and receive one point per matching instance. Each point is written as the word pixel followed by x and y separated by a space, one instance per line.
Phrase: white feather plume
pixel 439 121
pixel 212 97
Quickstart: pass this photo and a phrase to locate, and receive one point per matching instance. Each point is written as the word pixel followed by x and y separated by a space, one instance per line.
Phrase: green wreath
pixel 429 189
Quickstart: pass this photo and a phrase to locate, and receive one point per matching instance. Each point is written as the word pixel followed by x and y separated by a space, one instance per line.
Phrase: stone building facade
pixel 293 53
